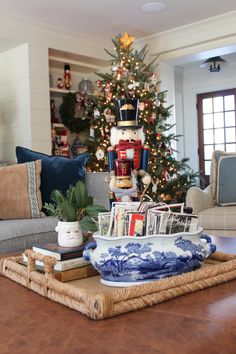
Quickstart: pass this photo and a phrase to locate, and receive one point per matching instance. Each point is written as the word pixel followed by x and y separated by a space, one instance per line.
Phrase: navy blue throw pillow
pixel 57 172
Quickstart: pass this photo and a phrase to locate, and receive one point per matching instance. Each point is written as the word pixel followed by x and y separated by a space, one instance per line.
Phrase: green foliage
pixel 76 205
pixel 67 114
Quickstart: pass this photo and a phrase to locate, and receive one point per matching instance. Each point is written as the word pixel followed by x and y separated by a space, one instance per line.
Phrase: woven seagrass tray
pixel 97 301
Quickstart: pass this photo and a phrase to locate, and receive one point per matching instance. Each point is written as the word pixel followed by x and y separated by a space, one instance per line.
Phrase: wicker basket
pixel 96 301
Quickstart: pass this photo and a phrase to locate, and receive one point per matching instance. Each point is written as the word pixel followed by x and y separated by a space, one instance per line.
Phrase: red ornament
pixel 148 104
pixel 158 136
pixel 99 83
pixel 67 76
pixel 152 118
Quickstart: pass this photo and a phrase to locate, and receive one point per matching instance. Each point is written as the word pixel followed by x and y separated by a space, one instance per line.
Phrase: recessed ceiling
pixel 106 18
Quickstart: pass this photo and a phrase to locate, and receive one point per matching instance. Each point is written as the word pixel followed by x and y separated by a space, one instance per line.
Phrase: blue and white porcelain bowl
pixel 125 261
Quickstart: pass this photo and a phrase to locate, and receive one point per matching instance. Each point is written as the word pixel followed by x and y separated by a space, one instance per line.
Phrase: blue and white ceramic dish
pixel 125 261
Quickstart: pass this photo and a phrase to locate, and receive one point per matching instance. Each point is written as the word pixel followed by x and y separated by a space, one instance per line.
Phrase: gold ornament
pixel 126 40
pixel 165 197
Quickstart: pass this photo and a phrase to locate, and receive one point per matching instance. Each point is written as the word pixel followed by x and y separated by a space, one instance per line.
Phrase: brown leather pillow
pixel 20 196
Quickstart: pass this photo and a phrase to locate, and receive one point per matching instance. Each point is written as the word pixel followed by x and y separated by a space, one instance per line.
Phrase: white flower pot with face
pixel 69 234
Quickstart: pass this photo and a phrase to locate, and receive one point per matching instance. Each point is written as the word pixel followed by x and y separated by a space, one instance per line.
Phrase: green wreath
pixel 67 114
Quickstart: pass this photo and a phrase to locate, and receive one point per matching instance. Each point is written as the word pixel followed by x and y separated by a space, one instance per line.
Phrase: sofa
pixel 216 204
pixel 19 228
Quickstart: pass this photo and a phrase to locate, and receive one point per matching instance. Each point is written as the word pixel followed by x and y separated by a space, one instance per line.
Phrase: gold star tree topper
pixel 126 40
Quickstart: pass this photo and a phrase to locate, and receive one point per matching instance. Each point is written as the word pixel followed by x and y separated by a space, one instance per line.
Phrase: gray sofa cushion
pixel 17 235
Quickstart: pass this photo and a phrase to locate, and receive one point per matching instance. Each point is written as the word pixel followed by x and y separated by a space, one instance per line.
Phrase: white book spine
pixel 63 265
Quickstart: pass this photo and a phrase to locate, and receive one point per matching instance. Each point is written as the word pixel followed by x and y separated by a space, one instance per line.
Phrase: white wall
pixel 14 100
pixel 39 99
pixel 197 80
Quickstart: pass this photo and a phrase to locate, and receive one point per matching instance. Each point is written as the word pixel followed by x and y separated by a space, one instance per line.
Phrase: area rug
pixel 91 298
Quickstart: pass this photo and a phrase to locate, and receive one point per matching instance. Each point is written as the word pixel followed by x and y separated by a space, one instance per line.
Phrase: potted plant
pixel 75 211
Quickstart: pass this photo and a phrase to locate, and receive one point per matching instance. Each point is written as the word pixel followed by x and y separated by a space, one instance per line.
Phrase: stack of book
pixel 70 263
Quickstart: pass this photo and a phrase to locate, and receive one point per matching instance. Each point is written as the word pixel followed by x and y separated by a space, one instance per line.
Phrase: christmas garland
pixel 67 114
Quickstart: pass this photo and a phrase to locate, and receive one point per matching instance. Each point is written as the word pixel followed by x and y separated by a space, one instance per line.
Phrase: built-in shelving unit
pixel 81 67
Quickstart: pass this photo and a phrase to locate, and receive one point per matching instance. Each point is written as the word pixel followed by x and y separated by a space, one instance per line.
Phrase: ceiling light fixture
pixel 153 7
pixel 213 64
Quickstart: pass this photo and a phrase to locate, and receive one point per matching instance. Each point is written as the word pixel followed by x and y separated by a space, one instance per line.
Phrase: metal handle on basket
pixel 49 262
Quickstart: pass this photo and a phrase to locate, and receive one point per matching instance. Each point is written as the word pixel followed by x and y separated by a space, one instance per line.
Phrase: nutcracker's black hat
pixel 127 113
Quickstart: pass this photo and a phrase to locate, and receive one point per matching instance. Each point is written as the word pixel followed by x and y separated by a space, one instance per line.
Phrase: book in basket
pixel 76 273
pixel 63 265
pixel 59 252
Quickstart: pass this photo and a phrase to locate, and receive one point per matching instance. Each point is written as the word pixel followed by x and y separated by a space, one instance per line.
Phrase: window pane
pixel 230 147
pixel 218 104
pixel 219 136
pixel 220 147
pixel 230 135
pixel 208 149
pixel 207 121
pixel 229 102
pixel 208 136
pixel 207 167
pixel 218 120
pixel 229 119
pixel 207 105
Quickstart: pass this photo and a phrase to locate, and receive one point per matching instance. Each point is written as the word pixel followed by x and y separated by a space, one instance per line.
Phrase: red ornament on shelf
pixel 67 77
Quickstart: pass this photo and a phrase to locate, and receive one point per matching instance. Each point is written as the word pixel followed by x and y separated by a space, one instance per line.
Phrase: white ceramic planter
pixel 126 260
pixel 69 234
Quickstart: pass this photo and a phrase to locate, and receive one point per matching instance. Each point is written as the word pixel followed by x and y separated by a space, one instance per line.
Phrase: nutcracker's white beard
pixel 113 135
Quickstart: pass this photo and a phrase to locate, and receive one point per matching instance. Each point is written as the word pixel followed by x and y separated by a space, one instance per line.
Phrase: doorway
pixel 216 127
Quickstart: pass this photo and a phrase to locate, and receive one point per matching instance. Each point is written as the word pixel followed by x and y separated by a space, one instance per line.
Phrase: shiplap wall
pixel 14 100
pixel 24 100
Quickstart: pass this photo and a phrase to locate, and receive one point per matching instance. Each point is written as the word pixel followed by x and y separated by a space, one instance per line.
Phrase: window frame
pixel 200 97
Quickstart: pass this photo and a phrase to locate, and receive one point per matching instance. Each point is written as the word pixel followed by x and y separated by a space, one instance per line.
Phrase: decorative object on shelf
pixel 214 64
pixel 67 77
pixel 125 261
pixel 75 210
pixel 53 110
pixel 60 83
pixel 85 86
pixel 68 110
pixel 65 152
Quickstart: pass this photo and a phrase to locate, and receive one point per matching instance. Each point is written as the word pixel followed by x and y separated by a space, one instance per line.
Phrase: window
pixel 216 126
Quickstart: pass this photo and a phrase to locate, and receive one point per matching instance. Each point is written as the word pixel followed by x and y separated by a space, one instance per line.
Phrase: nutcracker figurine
pixel 64 144
pixel 127 141
pixel 67 77
pixel 123 183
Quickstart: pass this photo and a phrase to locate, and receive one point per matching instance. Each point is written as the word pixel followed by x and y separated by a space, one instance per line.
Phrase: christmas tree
pixel 131 77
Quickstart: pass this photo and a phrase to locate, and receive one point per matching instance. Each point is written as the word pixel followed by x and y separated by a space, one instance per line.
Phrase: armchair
pixel 216 219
